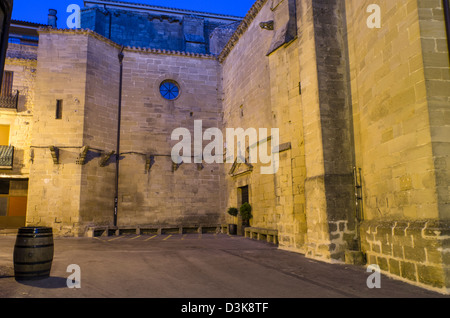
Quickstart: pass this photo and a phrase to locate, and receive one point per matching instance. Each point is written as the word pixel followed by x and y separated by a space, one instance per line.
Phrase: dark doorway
pixel 244 195
pixel 13 202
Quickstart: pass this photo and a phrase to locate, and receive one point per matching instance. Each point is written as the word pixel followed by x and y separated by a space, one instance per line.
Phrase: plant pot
pixel 232 229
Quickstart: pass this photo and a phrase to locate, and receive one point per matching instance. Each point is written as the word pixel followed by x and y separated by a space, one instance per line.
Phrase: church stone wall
pixel 55 186
pixel 262 91
pixel 370 99
pixel 294 78
pixel 161 193
pixel 100 132
pixel 81 68
pixel 343 96
pixel 436 67
pixel 400 83
pixel 330 205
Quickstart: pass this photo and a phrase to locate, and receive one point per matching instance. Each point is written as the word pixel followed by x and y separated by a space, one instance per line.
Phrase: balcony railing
pixel 9 101
pixel 6 157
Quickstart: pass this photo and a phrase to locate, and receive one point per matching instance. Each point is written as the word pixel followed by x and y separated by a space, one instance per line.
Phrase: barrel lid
pixel 35 230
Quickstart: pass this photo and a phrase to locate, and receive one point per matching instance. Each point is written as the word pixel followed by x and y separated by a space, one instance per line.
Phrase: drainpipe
pixel 119 115
pixel 110 20
pixel 447 21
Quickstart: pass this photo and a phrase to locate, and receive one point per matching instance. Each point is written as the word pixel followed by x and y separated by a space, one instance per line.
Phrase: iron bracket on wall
pixel 55 154
pixel 105 158
pixel 82 157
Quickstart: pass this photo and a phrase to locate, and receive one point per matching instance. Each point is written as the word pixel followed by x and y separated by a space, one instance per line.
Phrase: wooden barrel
pixel 33 253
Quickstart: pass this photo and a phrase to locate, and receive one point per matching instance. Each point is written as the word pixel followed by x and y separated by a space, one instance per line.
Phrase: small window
pixel 169 89
pixel 7 84
pixel 244 194
pixel 4 186
pixel 59 107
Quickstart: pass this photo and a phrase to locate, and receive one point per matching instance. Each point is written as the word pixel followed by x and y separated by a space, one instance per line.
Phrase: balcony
pixel 9 101
pixel 6 157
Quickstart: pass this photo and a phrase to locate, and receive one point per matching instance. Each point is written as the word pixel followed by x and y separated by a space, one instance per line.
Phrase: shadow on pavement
pixel 6 272
pixel 50 283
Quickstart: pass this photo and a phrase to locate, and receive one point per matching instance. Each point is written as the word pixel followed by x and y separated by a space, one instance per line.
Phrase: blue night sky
pixel 37 11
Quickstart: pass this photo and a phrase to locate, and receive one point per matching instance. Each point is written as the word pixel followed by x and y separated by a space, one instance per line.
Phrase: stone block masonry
pixel 310 198
pixel 164 195
pixel 399 88
pixel 54 189
pixel 345 97
pixel 99 132
pixel 436 69
pixel 330 175
pixel 416 251
pixel 262 91
pixel 154 194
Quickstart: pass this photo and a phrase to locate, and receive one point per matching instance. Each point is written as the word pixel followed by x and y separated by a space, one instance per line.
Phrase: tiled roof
pixel 28 23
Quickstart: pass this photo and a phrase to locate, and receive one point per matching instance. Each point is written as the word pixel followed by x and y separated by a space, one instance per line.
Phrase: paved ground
pixel 192 266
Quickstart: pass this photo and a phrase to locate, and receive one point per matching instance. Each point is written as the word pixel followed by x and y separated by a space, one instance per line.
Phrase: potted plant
pixel 232 228
pixel 246 214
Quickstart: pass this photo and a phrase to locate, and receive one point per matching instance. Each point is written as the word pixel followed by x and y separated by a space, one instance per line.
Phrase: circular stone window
pixel 169 89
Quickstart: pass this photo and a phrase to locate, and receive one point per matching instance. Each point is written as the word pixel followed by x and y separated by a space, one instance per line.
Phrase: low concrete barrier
pixel 261 234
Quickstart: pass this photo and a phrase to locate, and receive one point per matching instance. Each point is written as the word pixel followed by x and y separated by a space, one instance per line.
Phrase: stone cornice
pixel 127 48
pixel 170 52
pixel 88 32
pixel 164 10
pixel 243 26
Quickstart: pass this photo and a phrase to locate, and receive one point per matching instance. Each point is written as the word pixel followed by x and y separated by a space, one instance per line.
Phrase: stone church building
pixel 363 112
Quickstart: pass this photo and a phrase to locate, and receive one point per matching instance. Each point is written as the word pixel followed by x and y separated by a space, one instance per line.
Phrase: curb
pixel 6 232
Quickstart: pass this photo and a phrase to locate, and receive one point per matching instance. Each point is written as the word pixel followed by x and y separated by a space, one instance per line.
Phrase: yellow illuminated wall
pixel 4 135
